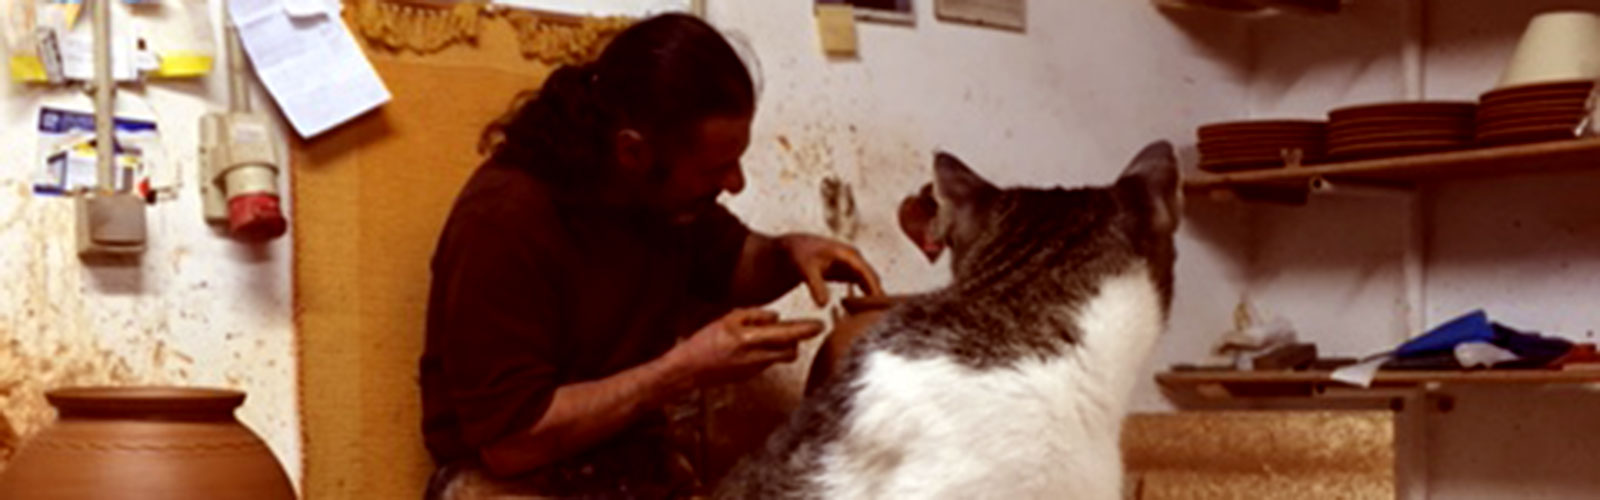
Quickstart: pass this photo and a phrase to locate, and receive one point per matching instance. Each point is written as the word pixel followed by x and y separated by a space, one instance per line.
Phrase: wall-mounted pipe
pixel 1415 25
pixel 238 89
pixel 104 99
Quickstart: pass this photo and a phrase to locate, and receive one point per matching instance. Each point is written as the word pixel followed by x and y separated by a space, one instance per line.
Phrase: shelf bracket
pixel 1367 189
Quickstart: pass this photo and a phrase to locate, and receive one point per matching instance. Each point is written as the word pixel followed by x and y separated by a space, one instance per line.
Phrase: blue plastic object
pixel 1472 327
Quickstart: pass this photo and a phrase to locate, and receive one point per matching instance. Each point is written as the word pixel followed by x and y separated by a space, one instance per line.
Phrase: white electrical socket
pixel 110 224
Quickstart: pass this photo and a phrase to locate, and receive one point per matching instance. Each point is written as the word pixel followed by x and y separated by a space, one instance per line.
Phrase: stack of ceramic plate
pixel 1534 112
pixel 1253 144
pixel 1399 128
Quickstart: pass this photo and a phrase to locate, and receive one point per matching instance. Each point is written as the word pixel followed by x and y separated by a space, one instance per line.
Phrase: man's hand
pixel 582 414
pixel 820 260
pixel 740 345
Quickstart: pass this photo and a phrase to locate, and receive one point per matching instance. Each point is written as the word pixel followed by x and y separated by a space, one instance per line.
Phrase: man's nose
pixel 734 182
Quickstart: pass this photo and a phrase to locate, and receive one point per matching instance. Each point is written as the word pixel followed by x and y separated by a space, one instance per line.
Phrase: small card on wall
pixel 882 11
pixel 836 26
pixel 311 64
pixel 1008 14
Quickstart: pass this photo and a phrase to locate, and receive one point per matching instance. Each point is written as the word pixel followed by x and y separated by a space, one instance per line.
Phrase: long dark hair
pixel 660 76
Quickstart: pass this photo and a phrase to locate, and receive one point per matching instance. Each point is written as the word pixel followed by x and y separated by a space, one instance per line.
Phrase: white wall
pixel 1515 246
pixel 198 309
pixel 1522 248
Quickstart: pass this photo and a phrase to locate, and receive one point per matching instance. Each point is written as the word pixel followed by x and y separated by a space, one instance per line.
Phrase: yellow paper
pixel 836 26
pixel 183 64
pixel 27 69
pixel 70 12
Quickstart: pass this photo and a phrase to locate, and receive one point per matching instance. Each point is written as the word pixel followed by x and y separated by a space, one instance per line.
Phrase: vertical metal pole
pixel 1414 263
pixel 1414 18
pixel 238 93
pixel 1411 447
pixel 104 94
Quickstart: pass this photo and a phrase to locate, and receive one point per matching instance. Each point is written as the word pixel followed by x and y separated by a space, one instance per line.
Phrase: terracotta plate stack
pixel 1399 128
pixel 1253 144
pixel 1533 113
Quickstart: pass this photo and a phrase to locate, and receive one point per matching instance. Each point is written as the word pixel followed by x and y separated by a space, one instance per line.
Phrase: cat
pixel 1012 381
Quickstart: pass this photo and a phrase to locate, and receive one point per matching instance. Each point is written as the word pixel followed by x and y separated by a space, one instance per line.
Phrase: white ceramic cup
pixel 1561 45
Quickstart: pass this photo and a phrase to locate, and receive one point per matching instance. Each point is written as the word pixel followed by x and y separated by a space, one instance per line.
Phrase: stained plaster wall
pixel 196 309
pixel 1093 80
pixel 1065 103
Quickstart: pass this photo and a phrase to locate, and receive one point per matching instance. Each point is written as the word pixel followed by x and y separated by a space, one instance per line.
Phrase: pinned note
pixel 311 65
pixel 836 26
pixel 304 8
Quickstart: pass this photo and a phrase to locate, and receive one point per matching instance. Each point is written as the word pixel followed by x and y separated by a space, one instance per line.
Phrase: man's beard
pixel 693 211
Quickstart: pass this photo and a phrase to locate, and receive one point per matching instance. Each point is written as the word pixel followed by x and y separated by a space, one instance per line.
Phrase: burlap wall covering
pixel 369 199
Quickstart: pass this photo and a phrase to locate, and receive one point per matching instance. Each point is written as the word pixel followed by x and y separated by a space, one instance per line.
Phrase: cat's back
pixel 1035 422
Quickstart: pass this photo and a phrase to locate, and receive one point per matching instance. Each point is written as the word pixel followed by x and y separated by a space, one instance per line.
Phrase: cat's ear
pixel 919 214
pixel 925 217
pixel 1151 182
pixel 956 184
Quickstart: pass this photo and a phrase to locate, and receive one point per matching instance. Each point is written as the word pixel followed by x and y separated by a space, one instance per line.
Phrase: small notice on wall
pixel 67 153
pixel 309 63
pixel 883 11
pixel 1009 14
pixel 836 26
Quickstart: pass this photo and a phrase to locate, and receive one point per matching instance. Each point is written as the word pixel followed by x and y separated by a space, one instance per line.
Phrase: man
pixel 587 277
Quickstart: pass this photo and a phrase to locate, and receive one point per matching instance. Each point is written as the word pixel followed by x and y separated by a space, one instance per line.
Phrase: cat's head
pixel 984 225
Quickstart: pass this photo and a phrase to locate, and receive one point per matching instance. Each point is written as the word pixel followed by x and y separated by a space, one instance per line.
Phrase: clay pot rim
pixel 163 400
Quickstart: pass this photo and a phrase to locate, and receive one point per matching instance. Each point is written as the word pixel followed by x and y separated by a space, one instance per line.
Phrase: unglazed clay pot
pixel 144 443
pixel 860 314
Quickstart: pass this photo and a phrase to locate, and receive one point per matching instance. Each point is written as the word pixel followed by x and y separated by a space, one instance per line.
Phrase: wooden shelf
pixel 1404 170
pixel 1217 384
pixel 1388 377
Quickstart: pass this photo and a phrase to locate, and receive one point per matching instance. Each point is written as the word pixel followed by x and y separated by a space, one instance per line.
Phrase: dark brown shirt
pixel 534 288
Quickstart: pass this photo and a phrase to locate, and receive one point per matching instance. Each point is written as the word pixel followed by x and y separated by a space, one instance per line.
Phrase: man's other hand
pixel 820 260
pixel 740 345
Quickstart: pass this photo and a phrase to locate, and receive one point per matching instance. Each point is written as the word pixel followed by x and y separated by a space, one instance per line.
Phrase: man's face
pixel 695 174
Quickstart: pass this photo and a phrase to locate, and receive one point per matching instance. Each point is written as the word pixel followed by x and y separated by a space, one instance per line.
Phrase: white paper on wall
pixel 1012 14
pixel 66 153
pixel 77 48
pixel 310 64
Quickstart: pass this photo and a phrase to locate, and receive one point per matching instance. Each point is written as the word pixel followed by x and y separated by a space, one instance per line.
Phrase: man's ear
pixel 633 153
pixel 918 219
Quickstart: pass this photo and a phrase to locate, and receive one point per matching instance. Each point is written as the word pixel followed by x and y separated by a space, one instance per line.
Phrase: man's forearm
pixel 582 415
